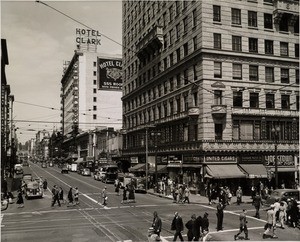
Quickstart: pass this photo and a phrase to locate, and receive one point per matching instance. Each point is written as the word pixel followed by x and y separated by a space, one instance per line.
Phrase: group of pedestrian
pixel 58 196
pixel 128 194
pixel 180 193
pixel 223 194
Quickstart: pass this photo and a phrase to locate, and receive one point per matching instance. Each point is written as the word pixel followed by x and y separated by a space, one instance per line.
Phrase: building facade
pixel 218 81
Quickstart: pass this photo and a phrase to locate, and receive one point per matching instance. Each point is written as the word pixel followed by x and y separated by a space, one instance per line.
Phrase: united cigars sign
pixel 110 74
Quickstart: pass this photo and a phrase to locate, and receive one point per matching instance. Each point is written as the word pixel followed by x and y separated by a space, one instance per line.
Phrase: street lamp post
pixel 275 132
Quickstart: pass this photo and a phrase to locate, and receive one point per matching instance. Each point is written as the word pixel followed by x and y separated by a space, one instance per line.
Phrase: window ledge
pixel 284 32
pixel 236 25
pixel 269 30
pixel 218 23
pixel 251 27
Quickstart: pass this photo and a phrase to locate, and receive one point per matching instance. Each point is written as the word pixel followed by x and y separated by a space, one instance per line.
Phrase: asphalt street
pixel 91 221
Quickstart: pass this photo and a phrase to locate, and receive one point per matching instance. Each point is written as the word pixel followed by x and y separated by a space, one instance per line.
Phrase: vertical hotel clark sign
pixel 110 73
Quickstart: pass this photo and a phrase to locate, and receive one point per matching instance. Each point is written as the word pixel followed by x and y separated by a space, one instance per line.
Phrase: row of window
pixel 254 100
pixel 253 45
pixel 257 129
pixel 180 103
pixel 237 73
pixel 236 19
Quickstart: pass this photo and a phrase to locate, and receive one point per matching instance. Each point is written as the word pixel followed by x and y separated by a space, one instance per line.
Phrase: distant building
pixel 214 80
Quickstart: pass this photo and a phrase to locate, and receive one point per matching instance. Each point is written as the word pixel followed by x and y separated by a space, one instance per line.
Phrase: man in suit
pixel 156 224
pixel 177 225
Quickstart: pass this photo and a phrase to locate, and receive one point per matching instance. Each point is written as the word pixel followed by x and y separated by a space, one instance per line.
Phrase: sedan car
pixel 64 169
pixel 33 190
pixel 283 194
pixel 86 172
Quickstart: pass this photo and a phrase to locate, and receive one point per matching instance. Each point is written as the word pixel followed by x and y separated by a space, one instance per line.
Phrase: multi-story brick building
pixel 219 81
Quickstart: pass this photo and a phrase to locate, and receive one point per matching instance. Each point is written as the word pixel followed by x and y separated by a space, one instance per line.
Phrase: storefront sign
pixel 282 160
pixel 193 159
pixel 251 159
pixel 134 160
pixel 87 36
pixel 110 74
pixel 220 158
pixel 173 159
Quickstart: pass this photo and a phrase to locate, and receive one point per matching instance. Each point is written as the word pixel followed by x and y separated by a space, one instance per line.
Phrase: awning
pixel 284 169
pixel 255 170
pixel 138 167
pixel 161 169
pixel 223 171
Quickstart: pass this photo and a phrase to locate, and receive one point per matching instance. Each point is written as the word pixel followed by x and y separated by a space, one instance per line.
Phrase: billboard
pixel 110 73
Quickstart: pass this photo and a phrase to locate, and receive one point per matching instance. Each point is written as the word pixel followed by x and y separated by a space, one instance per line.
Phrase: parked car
pixel 97 175
pixel 283 193
pixel 33 190
pixel 86 172
pixel 19 170
pixel 44 165
pixel 64 169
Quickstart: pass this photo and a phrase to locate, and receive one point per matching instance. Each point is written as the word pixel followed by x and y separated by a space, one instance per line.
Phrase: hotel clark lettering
pixel 110 74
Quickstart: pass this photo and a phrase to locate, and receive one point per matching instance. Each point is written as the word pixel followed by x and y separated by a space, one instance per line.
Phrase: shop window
pixel 270 100
pixel 217 13
pixel 253 45
pixel 218 131
pixel 252 19
pixel 254 100
pixel 237 71
pixel 268 21
pixel 285 102
pixel 285 75
pixel 217 41
pixel 253 73
pixel 236 16
pixel 237 99
pixel 217 97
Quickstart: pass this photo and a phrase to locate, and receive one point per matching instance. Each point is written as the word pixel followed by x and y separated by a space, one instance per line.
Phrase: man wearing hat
pixel 190 225
pixel 271 222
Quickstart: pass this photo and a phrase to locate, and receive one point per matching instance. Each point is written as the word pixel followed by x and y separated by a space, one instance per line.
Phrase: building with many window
pixel 91 94
pixel 215 86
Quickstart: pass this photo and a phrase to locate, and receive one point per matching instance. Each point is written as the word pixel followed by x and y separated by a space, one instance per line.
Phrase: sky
pixel 39 40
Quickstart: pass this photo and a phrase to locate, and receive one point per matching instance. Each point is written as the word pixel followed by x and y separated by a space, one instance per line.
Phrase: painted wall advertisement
pixel 110 74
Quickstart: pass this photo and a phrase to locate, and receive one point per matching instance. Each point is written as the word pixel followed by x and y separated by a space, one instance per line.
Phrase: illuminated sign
pixel 110 74
pixel 87 36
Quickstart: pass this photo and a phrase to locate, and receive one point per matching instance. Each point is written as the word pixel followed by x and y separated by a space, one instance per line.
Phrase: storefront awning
pixel 138 167
pixel 255 170
pixel 224 171
pixel 284 169
pixel 161 169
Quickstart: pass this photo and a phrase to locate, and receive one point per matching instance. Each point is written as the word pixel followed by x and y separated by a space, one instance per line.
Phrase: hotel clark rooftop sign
pixel 87 37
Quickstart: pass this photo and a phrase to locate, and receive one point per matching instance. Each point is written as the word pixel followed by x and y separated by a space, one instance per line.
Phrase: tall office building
pixel 215 86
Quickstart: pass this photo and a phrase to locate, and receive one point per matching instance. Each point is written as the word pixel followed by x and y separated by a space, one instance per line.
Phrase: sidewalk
pixel 198 199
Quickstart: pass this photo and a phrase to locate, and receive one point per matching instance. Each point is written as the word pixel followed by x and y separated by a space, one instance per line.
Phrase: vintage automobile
pixel 97 175
pixel 86 172
pixel 33 190
pixel 64 169
pixel 282 194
